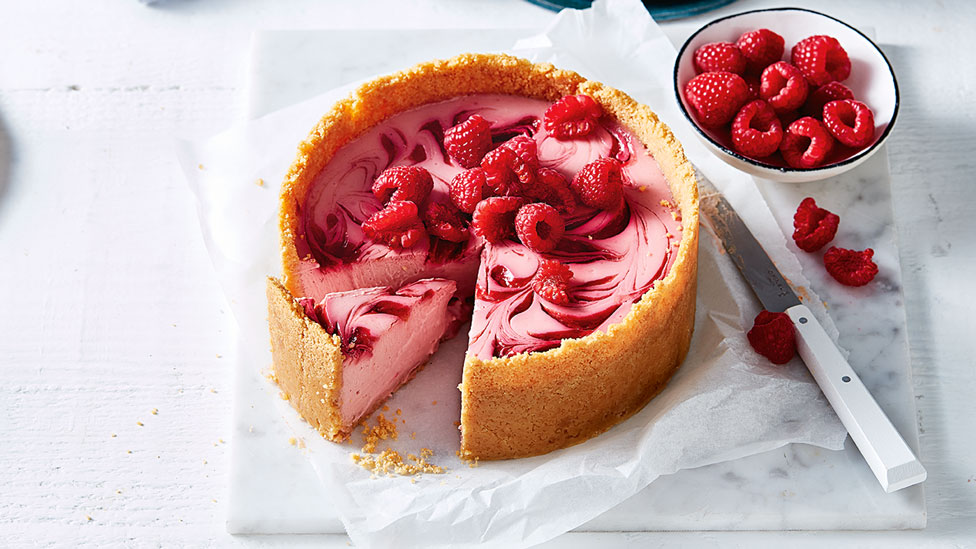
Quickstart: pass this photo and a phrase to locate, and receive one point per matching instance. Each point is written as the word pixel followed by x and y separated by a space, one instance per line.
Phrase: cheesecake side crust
pixel 307 363
pixel 532 403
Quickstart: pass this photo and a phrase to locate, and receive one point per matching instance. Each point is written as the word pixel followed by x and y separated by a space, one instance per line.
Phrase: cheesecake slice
pixel 339 358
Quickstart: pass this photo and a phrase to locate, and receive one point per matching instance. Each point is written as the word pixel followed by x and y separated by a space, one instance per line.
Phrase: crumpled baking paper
pixel 725 402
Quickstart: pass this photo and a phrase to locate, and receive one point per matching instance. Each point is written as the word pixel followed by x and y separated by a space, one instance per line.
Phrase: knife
pixel 884 449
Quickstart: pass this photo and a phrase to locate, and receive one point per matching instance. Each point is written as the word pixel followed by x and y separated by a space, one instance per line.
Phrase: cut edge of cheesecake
pixel 532 403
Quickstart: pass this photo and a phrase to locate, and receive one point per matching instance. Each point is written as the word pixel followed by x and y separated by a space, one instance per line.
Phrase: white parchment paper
pixel 725 402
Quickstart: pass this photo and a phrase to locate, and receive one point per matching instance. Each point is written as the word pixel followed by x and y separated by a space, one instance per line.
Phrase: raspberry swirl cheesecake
pixel 556 214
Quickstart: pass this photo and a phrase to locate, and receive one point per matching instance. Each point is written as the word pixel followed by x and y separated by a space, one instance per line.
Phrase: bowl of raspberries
pixel 786 94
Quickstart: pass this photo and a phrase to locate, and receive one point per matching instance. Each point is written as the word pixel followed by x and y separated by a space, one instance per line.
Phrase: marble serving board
pixel 274 489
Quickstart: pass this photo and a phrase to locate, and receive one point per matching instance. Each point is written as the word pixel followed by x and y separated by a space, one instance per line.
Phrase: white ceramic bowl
pixel 872 80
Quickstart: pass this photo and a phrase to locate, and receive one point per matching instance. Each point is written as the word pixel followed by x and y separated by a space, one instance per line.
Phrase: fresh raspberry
pixel 445 222
pixel 553 189
pixel 572 116
pixel 599 184
pixel 468 188
pixel 468 142
pixel 821 59
pixel 813 227
pixel 715 97
pixel 719 56
pixel 499 175
pixel 756 132
pixel 494 218
pixel 760 48
pixel 527 153
pixel 552 280
pixel 806 143
pixel 773 337
pixel 539 226
pixel 397 225
pixel 783 86
pixel 850 267
pixel 511 166
pixel 403 183
pixel 851 122
pixel 831 91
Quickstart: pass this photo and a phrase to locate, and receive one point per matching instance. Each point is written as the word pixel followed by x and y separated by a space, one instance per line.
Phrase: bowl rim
pixel 786 169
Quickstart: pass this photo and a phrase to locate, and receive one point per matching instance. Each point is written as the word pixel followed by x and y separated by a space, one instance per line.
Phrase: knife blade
pixel 886 452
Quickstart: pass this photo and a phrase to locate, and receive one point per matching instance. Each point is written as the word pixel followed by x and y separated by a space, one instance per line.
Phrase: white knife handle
pixel 890 458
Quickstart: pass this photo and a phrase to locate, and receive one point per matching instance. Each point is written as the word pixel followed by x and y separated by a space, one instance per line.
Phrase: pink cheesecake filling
pixel 386 334
pixel 615 258
pixel 614 261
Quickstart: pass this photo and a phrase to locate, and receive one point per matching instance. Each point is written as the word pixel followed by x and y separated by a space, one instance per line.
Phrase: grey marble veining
pixel 794 487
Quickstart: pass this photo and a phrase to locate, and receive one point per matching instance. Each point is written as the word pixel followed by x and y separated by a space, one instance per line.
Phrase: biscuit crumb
pixel 292 441
pixel 139 423
pixel 434 403
pixel 199 166
pixel 114 435
pixel 471 461
pixel 89 518
pixel 284 395
pixel 219 355
pixel 259 182
pixel 154 411
pixel 389 462
pixel 386 408
pixel 384 430
pixel 642 188
pixel 399 412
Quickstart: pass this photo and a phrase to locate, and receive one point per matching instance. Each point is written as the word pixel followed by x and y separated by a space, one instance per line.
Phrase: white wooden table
pixel 114 396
